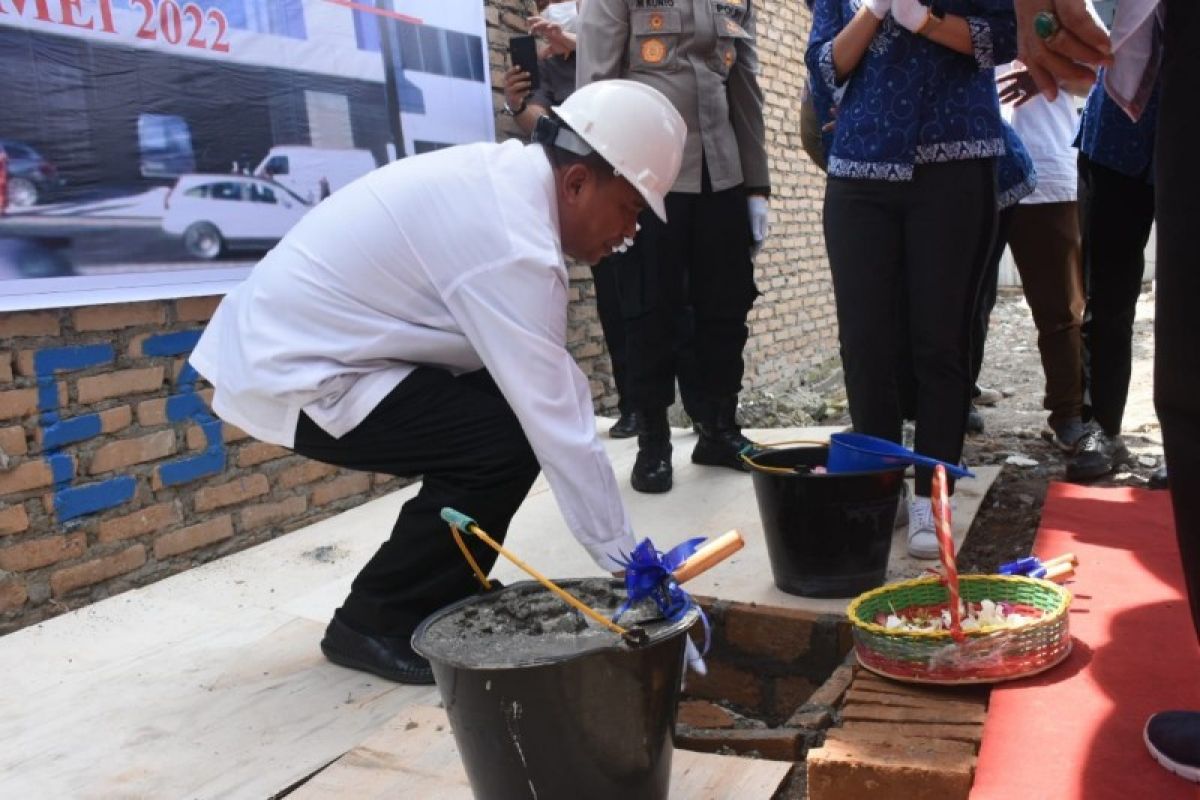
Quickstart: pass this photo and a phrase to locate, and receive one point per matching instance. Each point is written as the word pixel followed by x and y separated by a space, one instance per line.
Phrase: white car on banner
pixel 218 213
pixel 312 173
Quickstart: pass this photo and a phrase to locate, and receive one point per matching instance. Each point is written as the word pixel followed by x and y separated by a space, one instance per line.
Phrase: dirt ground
pixel 1008 520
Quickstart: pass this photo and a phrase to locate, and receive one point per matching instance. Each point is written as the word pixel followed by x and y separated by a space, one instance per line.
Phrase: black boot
pixel 721 441
pixel 626 425
pixel 652 471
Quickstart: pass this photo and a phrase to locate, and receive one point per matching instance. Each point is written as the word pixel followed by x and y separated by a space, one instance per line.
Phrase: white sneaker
pixel 922 535
pixel 988 397
pixel 902 507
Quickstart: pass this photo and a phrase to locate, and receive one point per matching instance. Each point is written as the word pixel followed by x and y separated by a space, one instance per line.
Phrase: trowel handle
pixel 709 555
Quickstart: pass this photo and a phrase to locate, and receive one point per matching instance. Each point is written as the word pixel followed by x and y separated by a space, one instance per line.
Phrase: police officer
pixel 415 323
pixel 701 54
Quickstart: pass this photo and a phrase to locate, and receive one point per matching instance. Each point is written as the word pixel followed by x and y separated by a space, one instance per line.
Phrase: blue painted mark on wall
pixel 188 405
pixel 72 501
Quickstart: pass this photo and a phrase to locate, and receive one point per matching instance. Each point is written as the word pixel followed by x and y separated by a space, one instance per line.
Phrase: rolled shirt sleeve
pixel 514 315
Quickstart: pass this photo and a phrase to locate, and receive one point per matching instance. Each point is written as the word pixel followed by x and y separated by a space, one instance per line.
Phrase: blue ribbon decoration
pixel 649 573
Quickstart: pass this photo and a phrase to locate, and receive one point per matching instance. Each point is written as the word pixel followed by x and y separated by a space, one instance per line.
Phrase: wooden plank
pixel 414 756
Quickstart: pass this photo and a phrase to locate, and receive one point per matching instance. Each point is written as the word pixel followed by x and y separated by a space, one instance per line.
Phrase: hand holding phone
pixel 522 50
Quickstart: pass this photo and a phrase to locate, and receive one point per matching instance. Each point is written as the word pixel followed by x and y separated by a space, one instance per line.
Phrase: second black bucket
pixel 596 725
pixel 828 535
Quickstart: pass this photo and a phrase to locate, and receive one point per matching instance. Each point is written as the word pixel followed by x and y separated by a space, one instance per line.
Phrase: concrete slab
pixel 211 684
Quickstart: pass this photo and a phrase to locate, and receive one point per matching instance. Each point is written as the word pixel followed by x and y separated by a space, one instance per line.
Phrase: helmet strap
pixel 553 131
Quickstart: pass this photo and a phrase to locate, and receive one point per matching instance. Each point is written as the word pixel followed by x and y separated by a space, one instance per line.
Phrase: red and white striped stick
pixel 945 535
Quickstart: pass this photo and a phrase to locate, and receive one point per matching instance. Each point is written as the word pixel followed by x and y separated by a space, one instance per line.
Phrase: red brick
pixel 196 309
pixel 703 714
pixel 726 683
pixel 789 693
pixel 340 488
pixel 120 383
pixel 29 323
pixel 850 767
pixel 193 537
pixel 258 452
pixel 127 452
pixel 13 441
pixel 6 367
pixel 307 472
pixel 813 719
pixel 972 734
pixel 778 633
pixel 776 744
pixel 97 570
pixel 13 519
pixel 26 476
pixel 152 412
pixel 25 363
pixel 860 696
pixel 17 403
pixel 196 439
pixel 116 419
pixel 227 494
pixel 142 521
pixel 831 692
pixel 932 712
pixel 267 513
pixel 871 682
pixel 230 433
pixel 116 317
pixel 40 553
pixel 13 594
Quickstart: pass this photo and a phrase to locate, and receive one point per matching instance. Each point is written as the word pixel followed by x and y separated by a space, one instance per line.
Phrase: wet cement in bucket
pixel 525 624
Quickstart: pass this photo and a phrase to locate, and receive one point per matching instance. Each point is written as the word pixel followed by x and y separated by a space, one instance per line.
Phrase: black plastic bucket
pixel 599 724
pixel 828 535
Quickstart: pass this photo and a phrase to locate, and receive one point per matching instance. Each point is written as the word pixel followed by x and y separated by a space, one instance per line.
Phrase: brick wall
pixel 114 474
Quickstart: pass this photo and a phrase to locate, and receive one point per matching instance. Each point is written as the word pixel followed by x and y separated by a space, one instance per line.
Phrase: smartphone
pixel 522 50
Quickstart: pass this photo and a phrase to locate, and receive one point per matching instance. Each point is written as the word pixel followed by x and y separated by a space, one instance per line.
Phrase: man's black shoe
pixel 626 426
pixel 721 442
pixel 1096 455
pixel 722 449
pixel 390 657
pixel 652 471
pixel 1159 479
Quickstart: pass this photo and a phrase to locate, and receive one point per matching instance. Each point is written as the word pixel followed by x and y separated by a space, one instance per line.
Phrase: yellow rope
pixel 539 577
pixel 487 585
pixel 778 470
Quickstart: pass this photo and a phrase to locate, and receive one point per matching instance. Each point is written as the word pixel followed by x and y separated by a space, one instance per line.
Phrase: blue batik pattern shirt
pixel 1110 138
pixel 911 101
pixel 1016 176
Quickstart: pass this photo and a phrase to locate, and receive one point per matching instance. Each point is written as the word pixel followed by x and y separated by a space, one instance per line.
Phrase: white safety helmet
pixel 635 128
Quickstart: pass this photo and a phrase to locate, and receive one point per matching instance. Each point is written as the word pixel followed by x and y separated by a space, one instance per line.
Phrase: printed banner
pixel 157 148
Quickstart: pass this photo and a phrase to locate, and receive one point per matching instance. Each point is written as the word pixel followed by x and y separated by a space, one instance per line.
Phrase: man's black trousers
pixel 460 435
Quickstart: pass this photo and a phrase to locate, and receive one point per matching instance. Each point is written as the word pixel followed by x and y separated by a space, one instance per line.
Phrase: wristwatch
pixel 512 112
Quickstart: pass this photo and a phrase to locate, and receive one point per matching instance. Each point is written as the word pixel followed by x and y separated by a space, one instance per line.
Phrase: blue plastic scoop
pixel 857 452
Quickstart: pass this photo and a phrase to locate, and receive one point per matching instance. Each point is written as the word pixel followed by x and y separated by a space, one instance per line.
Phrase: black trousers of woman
pixel 1116 212
pixel 460 435
pixel 926 240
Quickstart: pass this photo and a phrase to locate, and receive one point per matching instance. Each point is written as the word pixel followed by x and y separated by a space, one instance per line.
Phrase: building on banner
pixel 155 148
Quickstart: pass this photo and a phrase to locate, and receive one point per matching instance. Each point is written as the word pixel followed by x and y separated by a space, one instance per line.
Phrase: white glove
pixel 760 219
pixel 910 14
pixel 879 8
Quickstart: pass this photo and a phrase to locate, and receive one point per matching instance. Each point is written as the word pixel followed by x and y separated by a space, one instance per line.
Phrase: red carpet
pixel 1075 733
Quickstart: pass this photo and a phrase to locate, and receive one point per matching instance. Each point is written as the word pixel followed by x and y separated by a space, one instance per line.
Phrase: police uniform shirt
pixel 450 260
pixel 699 53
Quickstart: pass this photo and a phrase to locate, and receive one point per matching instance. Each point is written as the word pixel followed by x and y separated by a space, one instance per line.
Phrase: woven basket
pixel 987 655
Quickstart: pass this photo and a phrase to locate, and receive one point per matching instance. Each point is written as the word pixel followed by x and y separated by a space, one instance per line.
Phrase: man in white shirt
pixel 415 323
